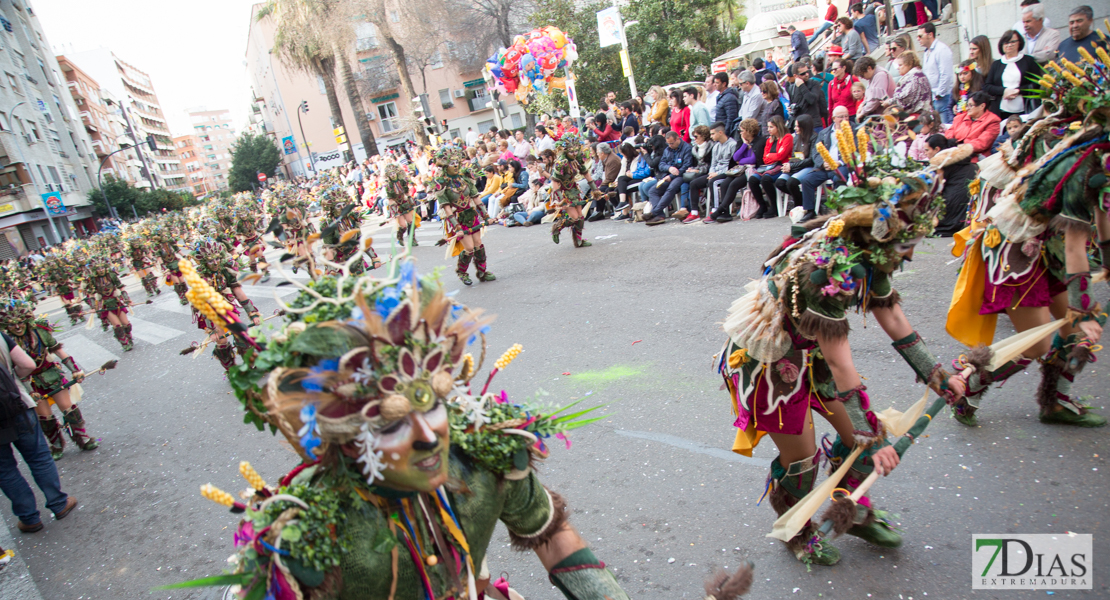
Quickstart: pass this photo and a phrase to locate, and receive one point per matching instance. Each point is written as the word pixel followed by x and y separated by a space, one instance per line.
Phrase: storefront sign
pixel 474 83
pixel 6 208
pixel 387 98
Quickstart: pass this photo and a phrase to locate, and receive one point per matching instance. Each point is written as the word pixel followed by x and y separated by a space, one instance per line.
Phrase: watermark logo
pixel 1031 561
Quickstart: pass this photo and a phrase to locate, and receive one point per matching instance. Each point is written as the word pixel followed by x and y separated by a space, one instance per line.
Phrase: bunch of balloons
pixel 529 66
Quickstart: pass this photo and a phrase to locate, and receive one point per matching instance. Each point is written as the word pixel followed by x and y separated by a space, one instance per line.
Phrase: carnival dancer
pixel 1041 205
pixel 215 265
pixel 248 234
pixel 142 263
pixel 36 338
pixel 61 277
pixel 164 241
pixel 402 207
pixel 341 236
pixel 400 488
pixel 565 195
pixel 788 353
pixel 464 215
pixel 107 293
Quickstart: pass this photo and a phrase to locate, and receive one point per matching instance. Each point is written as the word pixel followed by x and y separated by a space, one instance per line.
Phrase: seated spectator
pixel 516 179
pixel 978 126
pixel 505 153
pixel 656 145
pixel 777 151
pixel 968 81
pixel 771 105
pixel 821 172
pixel 603 131
pixel 720 161
pixel 533 201
pixel 493 184
pixel 830 21
pixel 523 148
pixel 747 156
pixel 894 48
pixel 866 25
pixel 676 159
pixel 929 124
pixel 801 162
pixel 840 89
pixel 1012 77
pixel 569 126
pixel 701 152
pixel 634 169
pixel 958 172
pixel 680 115
pixel 699 113
pixel 607 184
pixel 913 94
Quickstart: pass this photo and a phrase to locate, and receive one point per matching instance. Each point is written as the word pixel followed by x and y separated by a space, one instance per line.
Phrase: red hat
pixel 835 51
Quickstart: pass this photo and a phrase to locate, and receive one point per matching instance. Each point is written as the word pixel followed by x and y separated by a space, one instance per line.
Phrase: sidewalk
pixel 15 578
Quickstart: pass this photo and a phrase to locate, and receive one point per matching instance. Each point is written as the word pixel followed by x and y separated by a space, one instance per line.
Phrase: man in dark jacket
pixel 728 104
pixel 807 98
pixel 628 118
pixel 676 159
pixel 813 177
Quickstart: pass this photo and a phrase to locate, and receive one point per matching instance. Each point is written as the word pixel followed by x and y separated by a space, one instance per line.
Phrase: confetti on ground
pixel 636 342
pixel 566 373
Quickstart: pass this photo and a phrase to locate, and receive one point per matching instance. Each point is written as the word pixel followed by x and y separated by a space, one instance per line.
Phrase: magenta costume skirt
pixel 1034 290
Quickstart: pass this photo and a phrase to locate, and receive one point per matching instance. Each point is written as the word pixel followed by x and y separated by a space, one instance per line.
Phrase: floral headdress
pixel 14 311
pixel 449 156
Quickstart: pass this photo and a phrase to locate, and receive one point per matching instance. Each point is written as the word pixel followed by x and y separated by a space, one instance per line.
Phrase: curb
pixel 16 582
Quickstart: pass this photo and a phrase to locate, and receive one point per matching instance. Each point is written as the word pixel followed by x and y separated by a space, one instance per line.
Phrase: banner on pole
pixel 627 66
pixel 289 145
pixel 609 26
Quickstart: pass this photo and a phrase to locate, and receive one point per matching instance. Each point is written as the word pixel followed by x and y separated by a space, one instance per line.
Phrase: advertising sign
pixel 289 145
pixel 52 202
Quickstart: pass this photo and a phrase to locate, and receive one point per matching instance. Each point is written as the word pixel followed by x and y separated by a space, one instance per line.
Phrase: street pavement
pixel 632 323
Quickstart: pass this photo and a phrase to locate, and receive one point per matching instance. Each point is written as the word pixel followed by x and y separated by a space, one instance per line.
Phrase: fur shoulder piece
pixel 952 156
pixel 1013 222
pixel 995 170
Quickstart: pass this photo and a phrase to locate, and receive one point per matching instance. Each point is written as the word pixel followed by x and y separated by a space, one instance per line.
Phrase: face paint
pixel 415 450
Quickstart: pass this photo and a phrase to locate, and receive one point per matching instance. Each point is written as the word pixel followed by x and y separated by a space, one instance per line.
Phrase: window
pixel 388 114
pixel 394 16
pixel 12 82
pixel 366 37
pixel 320 83
pixel 445 98
pixel 4 124
pixel 454 133
pixel 515 118
pixel 435 61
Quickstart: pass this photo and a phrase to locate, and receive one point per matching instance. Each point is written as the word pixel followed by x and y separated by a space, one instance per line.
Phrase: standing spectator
pixel 807 97
pixel 19 427
pixel 840 89
pixel 504 152
pixel 894 49
pixel 854 45
pixel 628 118
pixel 569 126
pixel 544 140
pixel 522 149
pixel 958 172
pixel 711 93
pixel 1041 41
pixel 979 51
pixel 879 87
pixel 1011 77
pixel 699 114
pixel 759 70
pixel 978 126
pixel 657 97
pixel 1079 26
pixel 777 151
pixel 719 161
pixel 752 104
pixel 1018 25
pixel 865 25
pixel 676 159
pixel 913 92
pixel 859 90
pixel 471 137
pixel 968 81
pixel 728 104
pixel 603 131
pixel 772 105
pixel 830 21
pixel 821 172
pixel 799 47
pixel 938 68
pixel 680 115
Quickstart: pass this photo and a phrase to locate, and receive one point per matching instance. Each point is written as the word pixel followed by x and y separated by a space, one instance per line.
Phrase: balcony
pixel 14 200
pixel 477 104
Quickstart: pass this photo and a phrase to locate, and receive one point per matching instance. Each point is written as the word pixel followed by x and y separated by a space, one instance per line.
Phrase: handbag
pixel 689 176
pixel 771 170
pixel 643 170
pixel 748 205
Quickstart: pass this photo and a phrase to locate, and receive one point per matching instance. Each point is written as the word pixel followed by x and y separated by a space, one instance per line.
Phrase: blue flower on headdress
pixel 315 382
pixel 309 433
pixel 473 338
pixel 407 275
pixel 387 301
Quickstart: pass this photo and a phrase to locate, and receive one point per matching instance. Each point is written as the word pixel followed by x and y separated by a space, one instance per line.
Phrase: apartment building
pixel 142 114
pixel 47 164
pixel 213 136
pixel 456 93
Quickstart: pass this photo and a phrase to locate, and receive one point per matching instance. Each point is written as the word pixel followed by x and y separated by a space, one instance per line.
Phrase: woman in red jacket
pixel 680 115
pixel 777 150
pixel 840 89
pixel 976 126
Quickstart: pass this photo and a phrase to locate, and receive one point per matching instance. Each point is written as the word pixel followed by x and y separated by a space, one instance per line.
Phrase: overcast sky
pixel 192 50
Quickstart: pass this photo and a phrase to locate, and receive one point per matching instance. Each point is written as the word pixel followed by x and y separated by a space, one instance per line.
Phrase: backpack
pixel 13 410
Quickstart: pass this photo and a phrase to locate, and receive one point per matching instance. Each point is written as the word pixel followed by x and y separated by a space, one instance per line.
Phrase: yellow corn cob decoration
pixel 835 228
pixel 843 147
pixel 468 366
pixel 1074 68
pixel 1072 79
pixel 1055 67
pixel 827 156
pixel 1103 55
pixel 216 495
pixel 1085 55
pixel 203 296
pixel 849 138
pixel 1048 81
pixel 252 476
pixel 863 140
pixel 508 356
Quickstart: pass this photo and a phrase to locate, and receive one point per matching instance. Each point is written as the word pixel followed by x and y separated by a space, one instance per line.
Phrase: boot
pixel 74 313
pixel 556 226
pixel 181 288
pixel 786 486
pixel 1058 370
pixel 576 230
pixel 149 284
pixel 464 264
pixel 53 432
pixel 867 523
pixel 412 228
pixel 480 264
pixel 75 427
pixel 105 324
pixel 123 338
pixel 977 386
pixel 225 354
pixel 401 236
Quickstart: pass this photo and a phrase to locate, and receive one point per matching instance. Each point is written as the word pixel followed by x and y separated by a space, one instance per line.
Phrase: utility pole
pixel 303 108
pixel 27 167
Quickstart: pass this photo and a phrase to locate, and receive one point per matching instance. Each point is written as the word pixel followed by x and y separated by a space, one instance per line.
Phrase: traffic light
pixel 150 143
pixel 304 106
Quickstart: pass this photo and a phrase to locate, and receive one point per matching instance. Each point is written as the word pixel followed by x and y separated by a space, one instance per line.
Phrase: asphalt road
pixel 633 323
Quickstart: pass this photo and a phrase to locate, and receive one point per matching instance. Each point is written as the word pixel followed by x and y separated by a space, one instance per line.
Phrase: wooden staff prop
pixel 104 367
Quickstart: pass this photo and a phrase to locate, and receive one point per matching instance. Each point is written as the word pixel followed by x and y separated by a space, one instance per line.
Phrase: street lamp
pixel 626 58
pixel 303 108
pixel 23 159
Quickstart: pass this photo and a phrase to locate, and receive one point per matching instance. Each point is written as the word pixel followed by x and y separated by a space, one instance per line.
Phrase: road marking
pixel 171 303
pixel 152 332
pixel 87 352
pixel 693 446
pixel 267 291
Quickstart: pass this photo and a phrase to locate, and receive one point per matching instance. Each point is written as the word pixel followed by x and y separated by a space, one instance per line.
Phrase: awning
pixel 749 48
